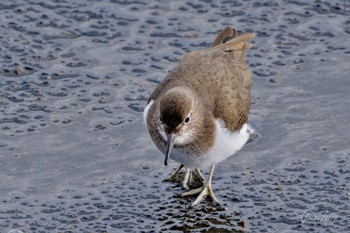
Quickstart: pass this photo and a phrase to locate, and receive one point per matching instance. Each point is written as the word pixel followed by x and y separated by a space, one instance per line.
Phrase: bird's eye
pixel 187 120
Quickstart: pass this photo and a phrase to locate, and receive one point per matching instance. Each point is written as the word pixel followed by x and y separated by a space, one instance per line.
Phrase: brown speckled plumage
pixel 219 76
pixel 197 115
pixel 221 80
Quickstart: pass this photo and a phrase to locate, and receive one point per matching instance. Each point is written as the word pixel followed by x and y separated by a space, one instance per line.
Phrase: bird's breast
pixel 226 144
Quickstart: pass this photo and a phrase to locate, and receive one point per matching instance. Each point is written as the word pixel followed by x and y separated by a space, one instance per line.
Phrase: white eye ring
pixel 187 119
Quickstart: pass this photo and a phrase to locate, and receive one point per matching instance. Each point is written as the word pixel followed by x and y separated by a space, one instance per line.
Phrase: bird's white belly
pixel 226 144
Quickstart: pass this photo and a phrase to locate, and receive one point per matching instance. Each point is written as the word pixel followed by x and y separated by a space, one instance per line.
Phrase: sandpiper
pixel 198 114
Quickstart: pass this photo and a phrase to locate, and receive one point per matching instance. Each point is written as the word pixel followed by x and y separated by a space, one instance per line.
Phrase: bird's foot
pixel 172 177
pixel 203 191
pixel 187 177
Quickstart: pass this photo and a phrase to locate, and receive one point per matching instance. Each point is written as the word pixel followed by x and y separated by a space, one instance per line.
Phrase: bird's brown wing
pixel 232 103
pixel 219 76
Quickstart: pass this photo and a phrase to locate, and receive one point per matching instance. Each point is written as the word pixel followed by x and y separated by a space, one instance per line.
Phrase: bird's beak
pixel 170 143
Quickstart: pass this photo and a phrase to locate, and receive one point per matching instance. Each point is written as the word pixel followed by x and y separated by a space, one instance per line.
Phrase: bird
pixel 198 114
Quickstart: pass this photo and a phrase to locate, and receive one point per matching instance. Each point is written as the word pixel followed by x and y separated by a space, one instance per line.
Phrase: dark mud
pixel 75 77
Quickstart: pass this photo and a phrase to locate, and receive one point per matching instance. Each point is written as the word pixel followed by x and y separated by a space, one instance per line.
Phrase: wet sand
pixel 76 157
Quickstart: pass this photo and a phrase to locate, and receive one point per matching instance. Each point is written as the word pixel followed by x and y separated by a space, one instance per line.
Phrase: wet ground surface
pixel 75 77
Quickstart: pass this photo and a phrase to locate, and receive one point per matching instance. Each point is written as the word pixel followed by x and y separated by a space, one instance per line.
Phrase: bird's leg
pixel 201 177
pixel 203 191
pixel 187 176
pixel 196 190
pixel 173 176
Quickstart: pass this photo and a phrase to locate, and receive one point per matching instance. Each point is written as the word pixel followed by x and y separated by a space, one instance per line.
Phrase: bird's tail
pixel 224 36
pixel 229 41
pixel 229 37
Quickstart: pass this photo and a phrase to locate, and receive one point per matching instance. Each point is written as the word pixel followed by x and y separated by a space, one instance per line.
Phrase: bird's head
pixel 179 116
